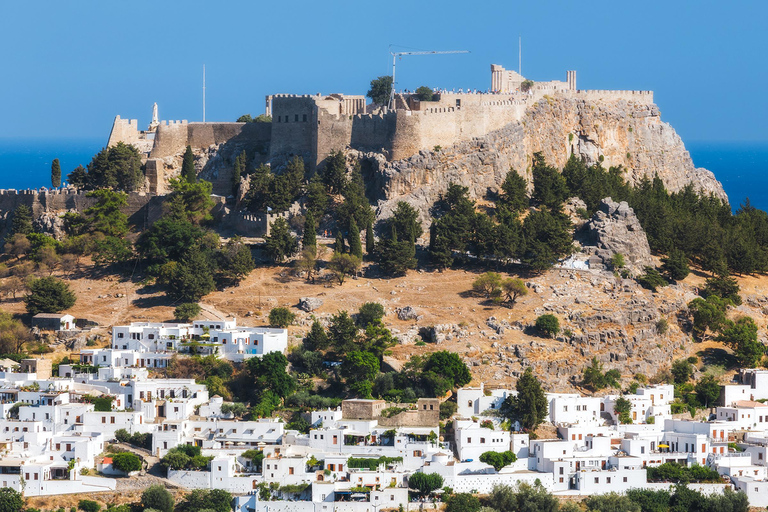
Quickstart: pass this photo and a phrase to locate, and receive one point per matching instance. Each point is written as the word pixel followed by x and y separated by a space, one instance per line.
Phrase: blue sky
pixel 70 67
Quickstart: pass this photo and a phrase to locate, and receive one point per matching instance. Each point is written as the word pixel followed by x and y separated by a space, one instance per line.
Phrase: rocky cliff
pixel 620 132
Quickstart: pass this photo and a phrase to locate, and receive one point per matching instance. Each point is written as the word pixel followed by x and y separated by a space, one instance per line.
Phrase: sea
pixel 742 167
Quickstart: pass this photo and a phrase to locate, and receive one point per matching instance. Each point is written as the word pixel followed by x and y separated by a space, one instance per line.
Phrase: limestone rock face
pixel 623 133
pixel 50 223
pixel 615 229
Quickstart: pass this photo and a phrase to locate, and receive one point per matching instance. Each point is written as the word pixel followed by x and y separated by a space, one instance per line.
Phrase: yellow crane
pixel 395 55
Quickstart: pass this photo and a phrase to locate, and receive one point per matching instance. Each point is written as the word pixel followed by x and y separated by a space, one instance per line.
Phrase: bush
pixel 88 506
pixel 652 279
pixel 187 311
pixel 10 500
pixel 498 459
pixel 158 498
pixel 462 502
pixel 369 313
pixel 548 325
pixel 126 462
pixel 447 409
pixel 122 435
pixel 281 317
pixel 49 295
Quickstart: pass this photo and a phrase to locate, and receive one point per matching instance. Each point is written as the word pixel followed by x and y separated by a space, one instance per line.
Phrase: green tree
pixel 547 237
pixel 126 462
pixel 55 173
pixel 281 317
pixel 395 256
pixel 359 369
pixel 498 459
pixel 334 173
pixel 530 405
pixel 11 500
pixel 343 265
pixel 78 178
pixel 488 285
pixel 425 483
pixel 617 261
pixel 723 286
pixel 317 338
pixel 190 201
pixel 245 118
pixel 268 373
pixel 370 312
pixel 424 93
pixel 317 197
pixel 707 314
pixel 280 242
pixel 186 312
pixel 188 171
pixel 548 325
pixel 515 192
pixel 88 506
pixel 106 215
pixel 370 241
pixel 512 288
pixel 462 502
pixel 682 371
pixel 623 407
pixel 450 366
pixel 200 500
pixel 190 279
pixel 235 260
pixel 676 265
pixel 342 332
pixel 707 390
pixel 593 377
pixel 157 497
pixel 380 91
pixel 652 279
pixel 741 336
pixel 49 295
pixel 22 221
pixel 237 171
pixel 355 246
pixel 309 238
pixel 549 186
pixel 523 498
pixel 117 167
pixel 611 502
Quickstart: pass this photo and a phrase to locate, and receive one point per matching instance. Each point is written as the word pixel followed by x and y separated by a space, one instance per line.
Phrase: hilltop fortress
pixel 413 150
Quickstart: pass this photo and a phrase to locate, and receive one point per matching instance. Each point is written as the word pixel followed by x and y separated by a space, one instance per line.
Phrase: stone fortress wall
pixel 314 126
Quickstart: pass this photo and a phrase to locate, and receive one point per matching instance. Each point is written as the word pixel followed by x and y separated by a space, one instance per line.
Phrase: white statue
pixel 155 121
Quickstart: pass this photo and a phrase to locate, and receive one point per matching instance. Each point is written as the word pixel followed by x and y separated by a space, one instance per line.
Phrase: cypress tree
pixel 370 243
pixel 309 238
pixel 339 247
pixel 55 173
pixel 22 220
pixel 355 247
pixel 188 166
pixel 236 173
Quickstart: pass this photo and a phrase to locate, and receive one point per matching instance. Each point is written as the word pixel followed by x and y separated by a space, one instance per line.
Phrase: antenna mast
pixel 395 55
pixel 520 56
pixel 203 92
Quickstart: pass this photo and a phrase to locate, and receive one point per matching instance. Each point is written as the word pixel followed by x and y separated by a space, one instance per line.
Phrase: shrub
pixel 187 311
pixel 652 279
pixel 498 459
pixel 548 325
pixel 281 317
pixel 126 462
pixel 49 295
pixel 369 313
pixel 88 506
pixel 158 498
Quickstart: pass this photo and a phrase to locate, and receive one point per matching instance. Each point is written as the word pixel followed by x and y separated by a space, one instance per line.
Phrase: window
pixel 625 479
pixel 151 336
pixel 296 118
pixel 482 440
pixel 561 470
pixel 597 480
pixel 469 440
pixel 119 335
pixel 290 471
pixel 103 419
pixel 304 118
pixel 608 480
pixel 112 419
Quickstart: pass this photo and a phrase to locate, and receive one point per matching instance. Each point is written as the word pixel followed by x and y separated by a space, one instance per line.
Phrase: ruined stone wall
pixel 142 209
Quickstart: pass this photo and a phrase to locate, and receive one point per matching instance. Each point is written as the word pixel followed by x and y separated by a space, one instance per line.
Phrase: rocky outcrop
pixel 614 229
pixel 310 303
pixel 620 132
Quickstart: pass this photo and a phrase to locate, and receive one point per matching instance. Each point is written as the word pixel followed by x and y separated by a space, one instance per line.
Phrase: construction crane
pixel 395 55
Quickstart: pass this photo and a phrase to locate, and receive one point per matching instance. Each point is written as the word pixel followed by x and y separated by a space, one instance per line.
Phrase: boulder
pixel 407 313
pixel 310 303
pixel 615 229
